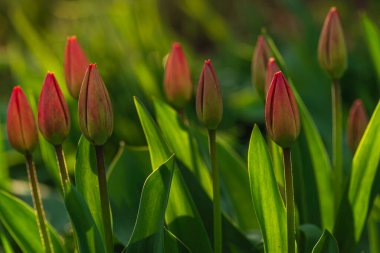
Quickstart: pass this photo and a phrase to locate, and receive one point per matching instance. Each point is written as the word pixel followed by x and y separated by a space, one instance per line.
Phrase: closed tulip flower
pixel 281 112
pixel 209 105
pixel 21 126
pixel 332 54
pixel 356 125
pixel 76 64
pixel 177 83
pixel 53 113
pixel 259 63
pixel 272 69
pixel 94 108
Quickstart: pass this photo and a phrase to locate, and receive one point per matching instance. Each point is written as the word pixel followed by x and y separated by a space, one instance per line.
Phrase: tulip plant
pixel 189 190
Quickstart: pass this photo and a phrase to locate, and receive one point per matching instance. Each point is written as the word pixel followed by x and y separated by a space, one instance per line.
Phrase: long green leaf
pixel 125 185
pixel 181 214
pixel 86 178
pixel 89 238
pixel 326 244
pixel 364 168
pixel 372 37
pixel 148 233
pixel 269 207
pixel 20 221
pixel 234 184
pixel 320 160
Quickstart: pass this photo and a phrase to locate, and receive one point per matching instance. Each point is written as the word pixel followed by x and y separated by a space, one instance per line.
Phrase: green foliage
pixel 269 207
pixel 20 221
pixel 326 243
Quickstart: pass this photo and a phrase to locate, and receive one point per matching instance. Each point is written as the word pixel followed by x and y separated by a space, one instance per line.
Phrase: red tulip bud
pixel 332 48
pixel 281 112
pixel 272 69
pixel 177 83
pixel 94 108
pixel 22 131
pixel 356 125
pixel 53 113
pixel 209 104
pixel 259 63
pixel 76 64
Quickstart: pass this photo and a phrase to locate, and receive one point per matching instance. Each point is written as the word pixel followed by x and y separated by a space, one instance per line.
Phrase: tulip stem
pixel 36 196
pixel 216 192
pixel 289 197
pixel 104 201
pixel 65 179
pixel 337 137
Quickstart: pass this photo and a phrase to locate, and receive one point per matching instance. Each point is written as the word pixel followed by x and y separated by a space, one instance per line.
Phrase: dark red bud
pixel 281 112
pixel 272 69
pixel 76 64
pixel 209 105
pixel 21 126
pixel 177 83
pixel 53 113
pixel 259 63
pixel 95 108
pixel 356 124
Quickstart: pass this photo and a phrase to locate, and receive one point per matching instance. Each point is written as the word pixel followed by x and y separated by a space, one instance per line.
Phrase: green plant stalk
pixel 104 201
pixel 65 179
pixel 289 197
pixel 337 138
pixel 36 196
pixel 216 192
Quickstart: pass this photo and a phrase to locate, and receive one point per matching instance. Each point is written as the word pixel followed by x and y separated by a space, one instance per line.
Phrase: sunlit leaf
pixel 20 221
pixel 86 179
pixel 148 233
pixel 269 207
pixel 234 183
pixel 181 214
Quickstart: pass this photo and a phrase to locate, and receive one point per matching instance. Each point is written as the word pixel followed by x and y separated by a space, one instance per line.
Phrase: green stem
pixel 337 138
pixel 65 179
pixel 289 196
pixel 36 196
pixel 216 193
pixel 104 201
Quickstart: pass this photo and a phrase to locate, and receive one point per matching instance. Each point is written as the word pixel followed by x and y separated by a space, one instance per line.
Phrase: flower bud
pixel 53 113
pixel 356 124
pixel 94 108
pixel 209 104
pixel 259 63
pixel 21 127
pixel 272 69
pixel 177 83
pixel 332 48
pixel 281 112
pixel 76 64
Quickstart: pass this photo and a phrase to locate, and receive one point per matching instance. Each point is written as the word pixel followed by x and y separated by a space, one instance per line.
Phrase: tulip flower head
pixel 272 69
pixel 21 126
pixel 356 125
pixel 95 108
pixel 209 105
pixel 281 112
pixel 53 112
pixel 177 82
pixel 76 64
pixel 259 63
pixel 332 54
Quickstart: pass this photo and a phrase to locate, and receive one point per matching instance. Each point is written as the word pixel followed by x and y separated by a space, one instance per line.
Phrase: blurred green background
pixel 129 40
